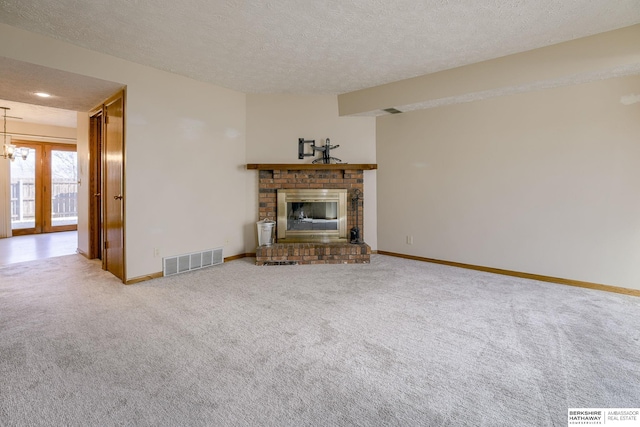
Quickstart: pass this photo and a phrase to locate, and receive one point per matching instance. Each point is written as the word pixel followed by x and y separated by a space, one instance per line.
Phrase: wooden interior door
pixel 113 197
pixel 96 160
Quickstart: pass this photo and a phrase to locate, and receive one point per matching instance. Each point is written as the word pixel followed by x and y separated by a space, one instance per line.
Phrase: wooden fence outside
pixel 64 200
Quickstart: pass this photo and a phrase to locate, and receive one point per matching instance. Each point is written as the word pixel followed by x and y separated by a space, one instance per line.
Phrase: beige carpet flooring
pixel 393 343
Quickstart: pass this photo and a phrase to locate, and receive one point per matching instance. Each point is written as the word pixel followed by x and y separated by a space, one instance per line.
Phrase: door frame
pixel 97 162
pixel 43 187
pixel 96 137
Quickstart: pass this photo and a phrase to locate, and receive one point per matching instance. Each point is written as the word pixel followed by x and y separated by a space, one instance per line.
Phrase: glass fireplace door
pixel 311 215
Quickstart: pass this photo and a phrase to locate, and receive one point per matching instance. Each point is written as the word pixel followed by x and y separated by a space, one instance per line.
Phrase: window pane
pixel 23 191
pixel 64 188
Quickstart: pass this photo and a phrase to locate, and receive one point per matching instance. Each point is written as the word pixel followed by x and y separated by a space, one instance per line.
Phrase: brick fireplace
pixel 273 177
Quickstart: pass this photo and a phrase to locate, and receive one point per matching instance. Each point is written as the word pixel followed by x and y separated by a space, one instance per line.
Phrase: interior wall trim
pixel 160 274
pixel 144 278
pixel 27 137
pixel 569 282
pixel 239 256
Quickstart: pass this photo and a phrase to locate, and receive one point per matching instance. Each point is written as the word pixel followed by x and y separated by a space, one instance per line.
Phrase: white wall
pixel 185 177
pixel 5 199
pixel 274 124
pixel 83 178
pixel 184 148
pixel 544 182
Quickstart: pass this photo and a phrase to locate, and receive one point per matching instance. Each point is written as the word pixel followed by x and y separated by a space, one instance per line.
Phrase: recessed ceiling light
pixel 42 94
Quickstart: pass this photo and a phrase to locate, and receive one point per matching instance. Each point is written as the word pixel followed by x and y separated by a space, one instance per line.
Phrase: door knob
pixel 96 195
pixel 118 197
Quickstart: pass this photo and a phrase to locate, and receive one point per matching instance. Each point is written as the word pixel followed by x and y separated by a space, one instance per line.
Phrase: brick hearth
pixel 314 253
pixel 334 176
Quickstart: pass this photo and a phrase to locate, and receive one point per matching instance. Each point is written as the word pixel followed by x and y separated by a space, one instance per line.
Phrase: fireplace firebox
pixel 312 215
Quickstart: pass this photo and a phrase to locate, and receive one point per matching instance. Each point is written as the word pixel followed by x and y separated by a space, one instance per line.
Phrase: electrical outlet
pixel 226 242
pixel 156 252
pixel 409 240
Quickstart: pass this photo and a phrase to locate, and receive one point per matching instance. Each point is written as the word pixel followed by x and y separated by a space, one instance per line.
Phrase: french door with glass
pixel 44 189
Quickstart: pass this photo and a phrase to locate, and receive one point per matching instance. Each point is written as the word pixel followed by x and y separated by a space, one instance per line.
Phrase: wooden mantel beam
pixel 312 166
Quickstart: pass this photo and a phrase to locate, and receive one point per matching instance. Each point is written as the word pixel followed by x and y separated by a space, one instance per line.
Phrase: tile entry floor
pixel 37 246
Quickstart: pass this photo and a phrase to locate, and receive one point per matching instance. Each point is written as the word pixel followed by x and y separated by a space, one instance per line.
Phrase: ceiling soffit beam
pixel 611 54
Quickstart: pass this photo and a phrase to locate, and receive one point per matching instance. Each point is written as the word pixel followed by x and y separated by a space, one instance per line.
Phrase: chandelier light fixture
pixel 10 151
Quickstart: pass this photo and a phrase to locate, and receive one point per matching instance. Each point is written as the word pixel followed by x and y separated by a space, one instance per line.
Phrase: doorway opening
pixel 44 189
pixel 34 247
pixel 63 119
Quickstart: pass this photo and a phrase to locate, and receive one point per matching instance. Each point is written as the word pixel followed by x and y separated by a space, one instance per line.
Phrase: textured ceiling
pixel 19 81
pixel 69 93
pixel 30 113
pixel 314 47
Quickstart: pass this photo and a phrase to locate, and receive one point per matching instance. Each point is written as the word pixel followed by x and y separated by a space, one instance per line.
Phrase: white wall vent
pixel 193 261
